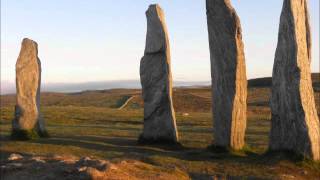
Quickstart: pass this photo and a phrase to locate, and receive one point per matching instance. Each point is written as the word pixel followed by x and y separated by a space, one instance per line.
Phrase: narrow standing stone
pixel 295 123
pixel 28 78
pixel 156 81
pixel 228 73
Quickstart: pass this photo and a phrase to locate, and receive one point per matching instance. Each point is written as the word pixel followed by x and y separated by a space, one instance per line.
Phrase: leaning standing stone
pixel 156 81
pixel 228 73
pixel 27 122
pixel 295 124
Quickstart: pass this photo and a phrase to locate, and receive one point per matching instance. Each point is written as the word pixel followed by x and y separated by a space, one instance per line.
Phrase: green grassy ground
pixel 109 133
pixel 89 128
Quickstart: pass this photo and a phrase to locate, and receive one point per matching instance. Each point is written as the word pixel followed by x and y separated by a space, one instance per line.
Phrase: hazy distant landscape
pixel 96 124
pixel 9 88
pixel 160 90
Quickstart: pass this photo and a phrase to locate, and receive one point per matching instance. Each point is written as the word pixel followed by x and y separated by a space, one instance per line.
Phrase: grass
pixel 110 133
pixel 87 128
pixel 24 134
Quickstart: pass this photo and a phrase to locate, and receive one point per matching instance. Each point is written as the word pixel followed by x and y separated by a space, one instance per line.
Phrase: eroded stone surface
pixel 295 124
pixel 228 73
pixel 85 168
pixel 14 157
pixel 156 81
pixel 28 79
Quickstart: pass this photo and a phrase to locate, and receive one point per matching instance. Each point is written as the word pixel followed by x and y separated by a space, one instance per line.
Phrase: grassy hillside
pixel 185 99
pixel 90 124
pixel 267 81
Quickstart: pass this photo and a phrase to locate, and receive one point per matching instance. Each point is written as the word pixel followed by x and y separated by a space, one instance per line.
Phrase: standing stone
pixel 295 124
pixel 156 81
pixel 228 74
pixel 28 77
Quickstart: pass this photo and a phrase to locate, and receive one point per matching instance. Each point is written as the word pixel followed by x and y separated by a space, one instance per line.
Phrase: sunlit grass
pixel 90 129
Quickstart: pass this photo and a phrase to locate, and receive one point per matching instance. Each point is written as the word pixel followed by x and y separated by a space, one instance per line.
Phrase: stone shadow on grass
pixel 153 154
pixel 132 149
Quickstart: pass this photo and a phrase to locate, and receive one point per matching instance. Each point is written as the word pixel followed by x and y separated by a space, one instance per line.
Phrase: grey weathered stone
pixel 156 81
pixel 228 73
pixel 295 124
pixel 28 79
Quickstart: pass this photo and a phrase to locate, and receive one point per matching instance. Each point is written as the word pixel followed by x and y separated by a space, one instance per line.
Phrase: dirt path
pixel 125 103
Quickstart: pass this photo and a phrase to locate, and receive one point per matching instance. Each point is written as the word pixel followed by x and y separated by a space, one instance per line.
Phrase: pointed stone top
pixel 27 42
pixel 226 14
pixel 154 7
pixel 225 2
pixel 157 30
pixel 28 53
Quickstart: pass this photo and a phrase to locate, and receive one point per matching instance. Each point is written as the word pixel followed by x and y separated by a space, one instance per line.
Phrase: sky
pixel 103 40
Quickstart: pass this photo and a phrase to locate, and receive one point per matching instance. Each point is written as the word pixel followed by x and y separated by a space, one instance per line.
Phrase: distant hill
pixel 267 81
pixel 9 87
pixel 185 99
pixel 260 82
pixel 316 81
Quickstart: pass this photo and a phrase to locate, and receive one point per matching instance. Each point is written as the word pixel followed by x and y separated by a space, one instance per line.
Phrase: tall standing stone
pixel 28 78
pixel 156 81
pixel 228 73
pixel 295 124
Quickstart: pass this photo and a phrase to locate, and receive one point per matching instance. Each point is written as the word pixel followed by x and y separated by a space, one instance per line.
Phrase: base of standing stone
pixel 221 149
pixel 28 134
pixel 165 141
pixel 43 134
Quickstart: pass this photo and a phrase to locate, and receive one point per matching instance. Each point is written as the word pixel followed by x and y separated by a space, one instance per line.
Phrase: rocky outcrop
pixel 156 81
pixel 295 124
pixel 69 167
pixel 27 121
pixel 228 73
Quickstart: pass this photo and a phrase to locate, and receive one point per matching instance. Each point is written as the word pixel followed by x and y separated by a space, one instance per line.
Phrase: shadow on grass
pixel 98 127
pixel 131 148
pixel 159 154
pixel 124 145
pixel 117 125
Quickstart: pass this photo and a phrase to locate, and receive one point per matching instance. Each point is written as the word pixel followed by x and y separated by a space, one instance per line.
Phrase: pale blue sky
pixel 97 40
